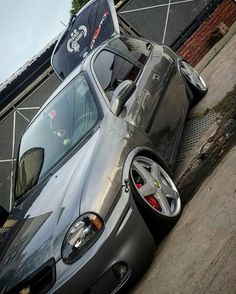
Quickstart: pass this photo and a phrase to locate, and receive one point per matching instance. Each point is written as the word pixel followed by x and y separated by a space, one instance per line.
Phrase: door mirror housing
pixel 121 95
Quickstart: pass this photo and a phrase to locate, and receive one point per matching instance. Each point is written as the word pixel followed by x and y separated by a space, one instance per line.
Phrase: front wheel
pixel 194 80
pixel 155 194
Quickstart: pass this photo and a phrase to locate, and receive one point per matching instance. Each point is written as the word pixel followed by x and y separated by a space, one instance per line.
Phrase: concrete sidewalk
pixel 212 122
pixel 199 254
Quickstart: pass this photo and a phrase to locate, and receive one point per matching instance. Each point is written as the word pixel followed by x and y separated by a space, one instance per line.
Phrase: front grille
pixel 39 282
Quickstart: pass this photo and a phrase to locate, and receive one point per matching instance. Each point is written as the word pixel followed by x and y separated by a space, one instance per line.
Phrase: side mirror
pixel 121 95
pixel 28 170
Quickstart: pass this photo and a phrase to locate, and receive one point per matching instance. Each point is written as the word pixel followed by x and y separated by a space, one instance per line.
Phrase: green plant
pixel 77 5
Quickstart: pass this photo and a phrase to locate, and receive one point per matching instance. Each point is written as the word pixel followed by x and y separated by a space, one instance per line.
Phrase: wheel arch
pixel 194 93
pixel 144 151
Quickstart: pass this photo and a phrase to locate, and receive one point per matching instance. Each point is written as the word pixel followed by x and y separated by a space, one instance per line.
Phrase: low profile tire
pixel 155 194
pixel 195 82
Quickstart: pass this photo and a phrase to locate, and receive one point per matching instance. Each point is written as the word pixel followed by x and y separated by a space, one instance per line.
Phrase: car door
pixel 164 122
pixel 152 107
pixel 115 64
pixel 160 103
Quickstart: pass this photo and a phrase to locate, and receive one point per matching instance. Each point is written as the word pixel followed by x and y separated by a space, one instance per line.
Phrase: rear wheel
pixel 155 193
pixel 194 80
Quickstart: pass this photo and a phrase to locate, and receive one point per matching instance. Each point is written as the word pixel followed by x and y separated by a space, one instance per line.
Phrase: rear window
pixel 137 49
pixel 62 124
pixel 89 29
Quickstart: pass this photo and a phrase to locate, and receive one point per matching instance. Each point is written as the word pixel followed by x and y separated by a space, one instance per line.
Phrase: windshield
pixel 62 124
pixel 89 29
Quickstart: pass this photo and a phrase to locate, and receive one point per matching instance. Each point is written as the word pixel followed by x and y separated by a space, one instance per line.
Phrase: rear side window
pixel 111 70
pixel 139 50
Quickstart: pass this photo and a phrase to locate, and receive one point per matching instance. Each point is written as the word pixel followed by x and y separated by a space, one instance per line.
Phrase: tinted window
pixel 111 70
pixel 137 49
pixel 93 26
pixel 61 124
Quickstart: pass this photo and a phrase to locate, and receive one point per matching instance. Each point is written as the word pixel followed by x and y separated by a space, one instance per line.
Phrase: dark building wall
pixel 165 21
pixel 201 41
pixel 11 129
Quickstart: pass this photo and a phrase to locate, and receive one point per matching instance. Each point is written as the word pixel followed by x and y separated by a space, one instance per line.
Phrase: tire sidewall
pixel 150 215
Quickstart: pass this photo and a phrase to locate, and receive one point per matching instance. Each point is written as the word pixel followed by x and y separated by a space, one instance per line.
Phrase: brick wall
pixel 201 40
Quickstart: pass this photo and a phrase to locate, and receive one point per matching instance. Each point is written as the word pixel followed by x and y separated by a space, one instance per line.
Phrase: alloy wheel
pixel 193 76
pixel 155 186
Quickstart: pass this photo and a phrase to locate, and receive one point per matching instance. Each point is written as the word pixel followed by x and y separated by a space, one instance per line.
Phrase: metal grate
pixel 193 131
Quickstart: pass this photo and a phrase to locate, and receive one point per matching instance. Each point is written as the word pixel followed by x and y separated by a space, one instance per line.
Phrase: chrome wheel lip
pixel 174 203
pixel 193 76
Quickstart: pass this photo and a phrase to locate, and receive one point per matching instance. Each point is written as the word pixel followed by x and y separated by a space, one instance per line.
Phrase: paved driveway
pixel 199 254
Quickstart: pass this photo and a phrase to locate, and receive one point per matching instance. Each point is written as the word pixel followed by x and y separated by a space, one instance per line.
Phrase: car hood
pixel 35 229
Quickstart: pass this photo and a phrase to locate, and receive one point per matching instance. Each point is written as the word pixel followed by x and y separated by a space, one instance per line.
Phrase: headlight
pixel 81 235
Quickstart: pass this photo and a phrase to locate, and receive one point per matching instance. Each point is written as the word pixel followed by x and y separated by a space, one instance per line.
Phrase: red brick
pixel 199 43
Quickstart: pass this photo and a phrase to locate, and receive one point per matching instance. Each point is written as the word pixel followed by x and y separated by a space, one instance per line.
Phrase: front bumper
pixel 125 240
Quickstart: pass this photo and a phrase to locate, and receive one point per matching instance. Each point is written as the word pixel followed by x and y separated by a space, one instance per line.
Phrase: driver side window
pixel 111 70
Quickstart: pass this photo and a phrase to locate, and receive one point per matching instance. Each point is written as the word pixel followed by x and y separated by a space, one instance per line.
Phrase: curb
pixel 216 142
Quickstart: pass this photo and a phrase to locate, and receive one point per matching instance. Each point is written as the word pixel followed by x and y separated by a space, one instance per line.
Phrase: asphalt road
pixel 199 254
